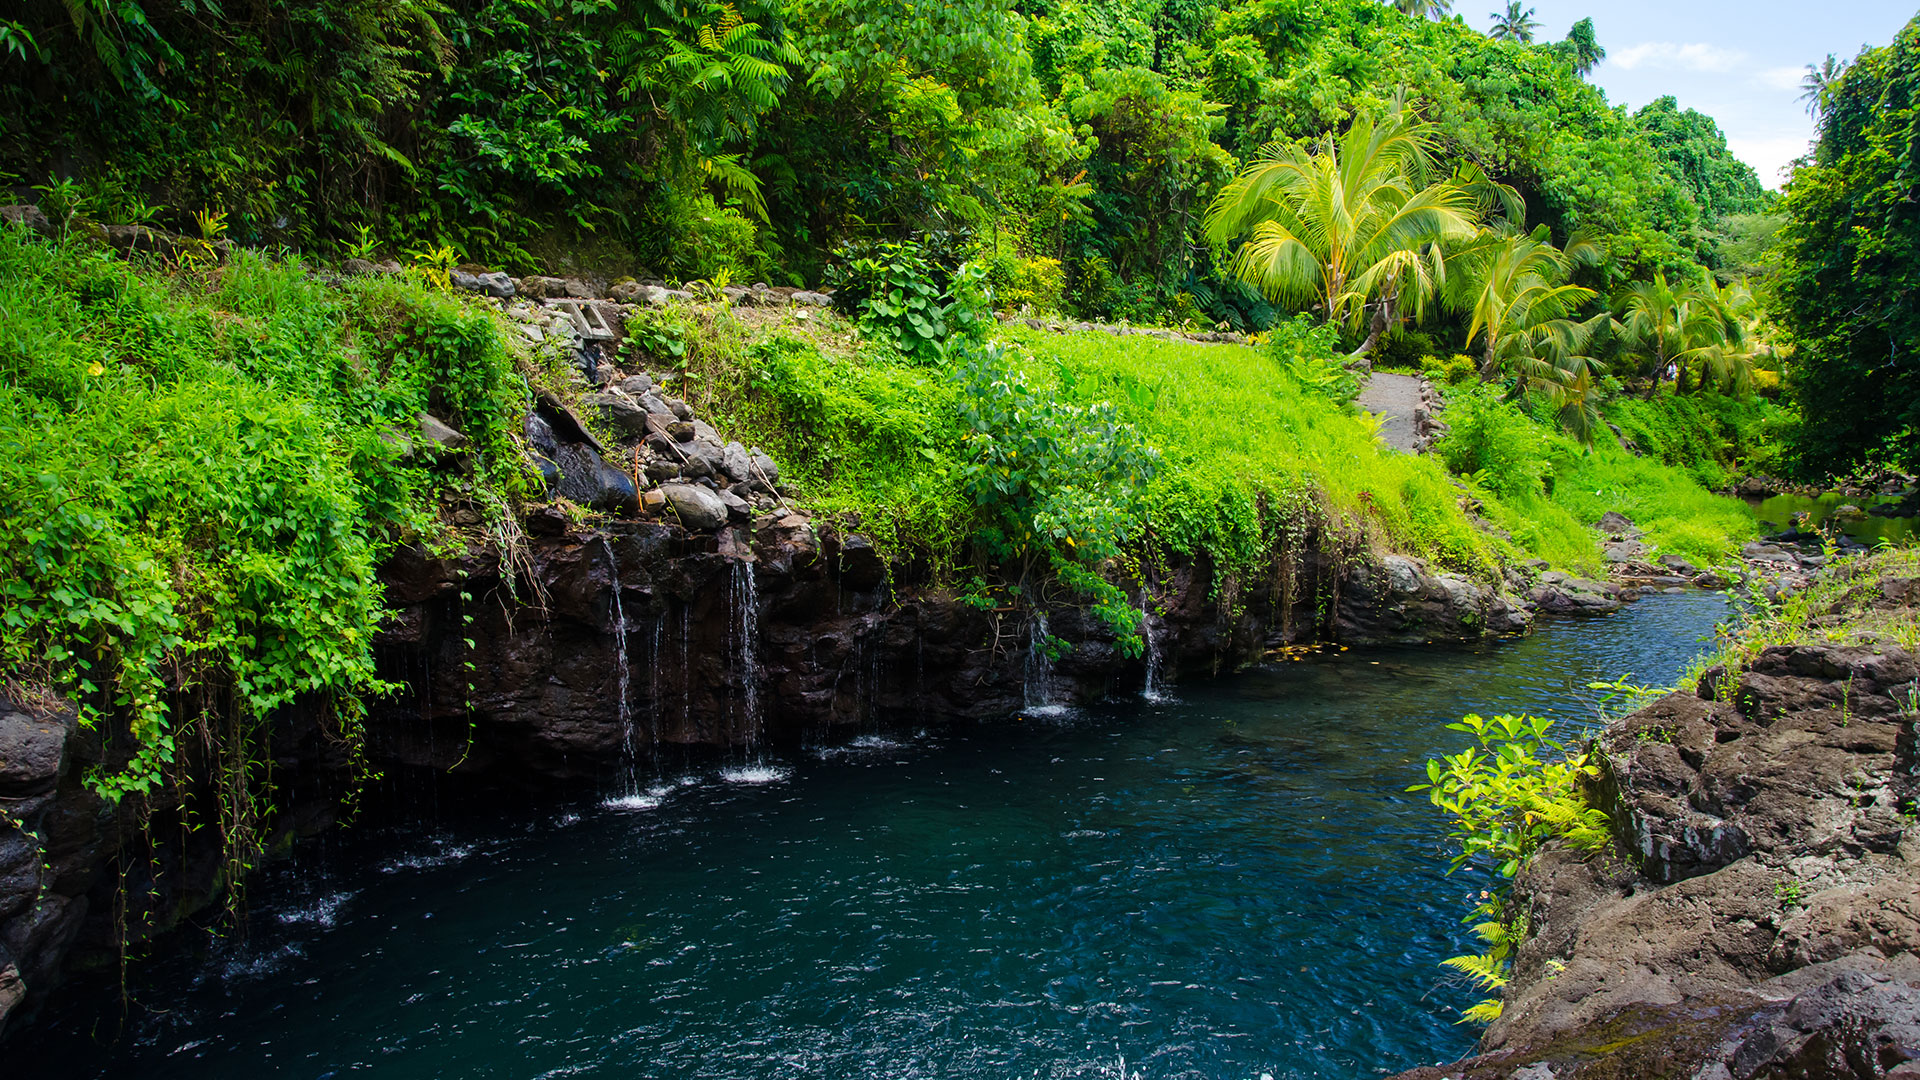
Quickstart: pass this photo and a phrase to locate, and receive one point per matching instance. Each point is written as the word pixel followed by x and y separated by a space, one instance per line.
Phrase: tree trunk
pixel 1385 313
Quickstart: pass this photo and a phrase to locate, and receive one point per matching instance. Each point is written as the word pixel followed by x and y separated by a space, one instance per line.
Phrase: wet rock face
pixel 51 841
pixel 1766 920
pixel 1401 600
pixel 741 627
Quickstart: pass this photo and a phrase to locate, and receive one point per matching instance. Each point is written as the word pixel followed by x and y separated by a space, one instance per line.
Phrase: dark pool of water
pixel 1776 511
pixel 1226 886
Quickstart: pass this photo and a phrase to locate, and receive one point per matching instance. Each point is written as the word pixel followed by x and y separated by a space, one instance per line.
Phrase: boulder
pixel 1623 551
pixel 27 216
pixel 32 751
pixel 738 509
pixel 619 412
pixel 811 299
pixel 638 386
pixel 697 508
pixel 487 283
pixel 586 478
pixel 735 462
pixel 437 431
pixel 1614 523
pixel 763 467
pixel 1679 565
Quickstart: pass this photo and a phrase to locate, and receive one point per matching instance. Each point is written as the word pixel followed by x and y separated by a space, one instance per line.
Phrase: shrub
pixel 1509 795
pixel 1495 444
pixel 897 295
pixel 196 484
pixel 1035 284
pixel 1055 483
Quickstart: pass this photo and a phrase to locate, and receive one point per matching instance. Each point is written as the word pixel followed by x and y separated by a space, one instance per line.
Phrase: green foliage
pixel 1493 443
pixel 1693 151
pixel 895 293
pixel 1546 488
pixel 756 137
pixel 1254 461
pixel 196 483
pixel 1850 264
pixel 1506 797
pixel 1708 435
pixel 1054 482
pixel 867 437
pixel 1307 352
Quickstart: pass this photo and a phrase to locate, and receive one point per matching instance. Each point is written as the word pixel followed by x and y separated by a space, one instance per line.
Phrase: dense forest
pixel 1092 289
pixel 1071 152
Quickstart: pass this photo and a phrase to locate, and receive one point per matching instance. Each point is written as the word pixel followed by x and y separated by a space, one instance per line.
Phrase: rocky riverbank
pixel 1759 915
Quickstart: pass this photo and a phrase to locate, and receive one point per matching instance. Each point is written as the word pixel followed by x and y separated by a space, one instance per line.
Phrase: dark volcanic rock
pixel 844 638
pixel 1767 919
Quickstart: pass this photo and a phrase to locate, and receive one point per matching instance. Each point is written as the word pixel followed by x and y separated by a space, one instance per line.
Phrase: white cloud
pixel 1781 78
pixel 1768 156
pixel 1697 56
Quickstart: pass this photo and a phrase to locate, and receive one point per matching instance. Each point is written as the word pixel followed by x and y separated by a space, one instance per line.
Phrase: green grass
pixel 1249 456
pixel 1708 435
pixel 1248 451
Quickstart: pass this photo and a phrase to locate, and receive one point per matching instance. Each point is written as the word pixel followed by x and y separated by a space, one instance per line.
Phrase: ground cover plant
pixel 199 473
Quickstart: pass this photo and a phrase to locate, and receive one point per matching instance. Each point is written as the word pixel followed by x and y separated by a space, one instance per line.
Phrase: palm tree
pixel 1523 315
pixel 1514 24
pixel 1675 325
pixel 1347 225
pixel 1816 87
pixel 1438 9
pixel 1583 49
pixel 1739 344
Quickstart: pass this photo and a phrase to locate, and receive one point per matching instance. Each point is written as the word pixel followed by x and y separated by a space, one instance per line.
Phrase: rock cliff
pixel 1761 914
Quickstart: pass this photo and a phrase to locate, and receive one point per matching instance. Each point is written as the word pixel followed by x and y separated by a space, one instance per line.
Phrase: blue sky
pixel 1740 63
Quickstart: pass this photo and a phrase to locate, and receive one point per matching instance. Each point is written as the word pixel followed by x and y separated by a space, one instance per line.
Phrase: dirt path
pixel 1394 398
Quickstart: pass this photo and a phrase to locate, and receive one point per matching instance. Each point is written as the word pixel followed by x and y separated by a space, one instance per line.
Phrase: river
pixel 1232 884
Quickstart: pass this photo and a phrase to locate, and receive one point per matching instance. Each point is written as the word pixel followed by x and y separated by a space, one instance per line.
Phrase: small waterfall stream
pixel 746 607
pixel 1152 691
pixel 1036 690
pixel 631 790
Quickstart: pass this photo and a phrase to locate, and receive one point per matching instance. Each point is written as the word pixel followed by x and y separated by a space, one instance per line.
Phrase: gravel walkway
pixel 1394 397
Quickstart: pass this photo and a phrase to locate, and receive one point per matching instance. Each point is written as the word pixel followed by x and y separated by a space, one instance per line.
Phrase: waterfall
pixel 745 631
pixel 746 604
pixel 1152 692
pixel 653 683
pixel 620 665
pixel 1036 690
pixel 686 665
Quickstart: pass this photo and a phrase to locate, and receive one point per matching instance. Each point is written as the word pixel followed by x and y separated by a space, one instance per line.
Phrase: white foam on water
pixel 755 774
pixel 446 854
pixel 650 799
pixel 1049 712
pixel 321 912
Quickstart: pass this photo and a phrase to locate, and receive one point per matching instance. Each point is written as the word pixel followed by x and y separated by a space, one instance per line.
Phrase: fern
pixel 1486 970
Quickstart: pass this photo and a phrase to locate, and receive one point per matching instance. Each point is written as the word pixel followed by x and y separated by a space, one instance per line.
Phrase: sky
pixel 1738 62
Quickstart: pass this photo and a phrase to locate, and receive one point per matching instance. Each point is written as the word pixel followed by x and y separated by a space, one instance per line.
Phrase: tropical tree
pixel 1816 86
pixel 1347 225
pixel 1523 316
pixel 1740 343
pixel 1673 324
pixel 1514 24
pixel 1438 9
pixel 1583 49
